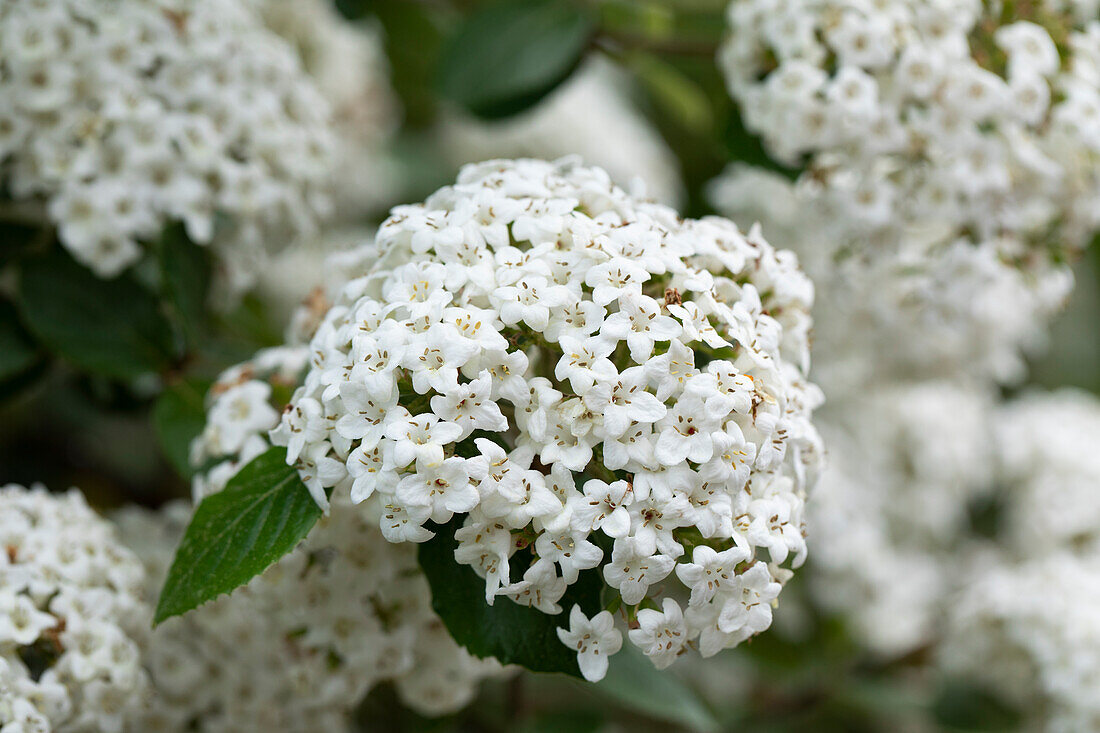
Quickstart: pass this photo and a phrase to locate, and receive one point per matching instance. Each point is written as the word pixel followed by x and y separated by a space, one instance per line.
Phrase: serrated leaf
pixel 633 680
pixel 511 633
pixel 506 57
pixel 109 327
pixel 178 417
pixel 236 534
pixel 185 273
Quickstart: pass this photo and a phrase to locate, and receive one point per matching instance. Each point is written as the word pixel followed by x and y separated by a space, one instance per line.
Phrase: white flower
pixel 529 300
pixel 240 412
pixel 470 407
pixel 685 434
pixel 302 424
pixel 365 415
pixel 570 550
pixel 624 402
pixel 748 607
pixel 639 322
pixel 670 371
pixel 595 640
pixel 632 570
pixel 661 635
pixel 444 487
pixel 420 438
pixel 603 506
pixel 584 362
pixel 616 279
pixel 369 472
pixel 711 572
pixel 540 588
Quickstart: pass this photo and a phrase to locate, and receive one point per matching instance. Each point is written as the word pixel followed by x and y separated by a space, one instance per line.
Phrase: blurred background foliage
pixel 102 382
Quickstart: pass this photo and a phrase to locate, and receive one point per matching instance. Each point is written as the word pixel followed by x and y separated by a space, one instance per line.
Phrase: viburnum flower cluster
pixel 123 116
pixel 71 616
pixel 924 309
pixel 1025 621
pixel 349 609
pixel 907 465
pixel 586 381
pixel 1030 632
pixel 947 155
pixel 931 111
pixel 300 646
pixel 347 64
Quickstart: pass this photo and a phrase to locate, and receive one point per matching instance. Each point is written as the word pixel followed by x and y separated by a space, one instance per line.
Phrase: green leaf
pixel 506 57
pixel 178 417
pixel 109 327
pixel 413 39
pixel 185 273
pixel 262 514
pixel 512 633
pixel 18 352
pixel 632 680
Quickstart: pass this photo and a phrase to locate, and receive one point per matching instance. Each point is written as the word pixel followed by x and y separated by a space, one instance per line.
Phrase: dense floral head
pixel 344 612
pixel 71 616
pixel 948 165
pixel 122 116
pixel 587 381
pixel 917 112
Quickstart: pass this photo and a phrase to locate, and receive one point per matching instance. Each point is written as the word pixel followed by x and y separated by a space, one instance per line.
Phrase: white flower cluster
pixel 351 610
pixel 124 115
pixel 925 310
pixel 905 464
pixel 242 409
pixel 918 111
pixel 298 648
pixel 570 371
pixel 1049 471
pixel 949 163
pixel 1032 631
pixel 1026 620
pixel 347 63
pixel 71 617
pixel 611 133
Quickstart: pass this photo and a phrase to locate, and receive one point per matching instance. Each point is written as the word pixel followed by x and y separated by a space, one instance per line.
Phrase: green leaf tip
pixel 263 513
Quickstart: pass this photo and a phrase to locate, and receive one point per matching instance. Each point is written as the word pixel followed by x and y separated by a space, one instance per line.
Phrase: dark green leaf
pixel 506 57
pixel 413 39
pixel 262 514
pixel 185 271
pixel 18 352
pixel 178 417
pixel 17 239
pixel 965 706
pixel 512 633
pixel 632 680
pixel 109 327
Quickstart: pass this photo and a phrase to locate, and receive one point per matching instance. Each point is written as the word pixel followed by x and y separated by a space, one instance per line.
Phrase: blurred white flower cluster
pixel 347 64
pixel 301 645
pixel 71 617
pixel 565 367
pixel 891 512
pixel 950 158
pixel 1026 620
pixel 123 116
pixel 353 610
